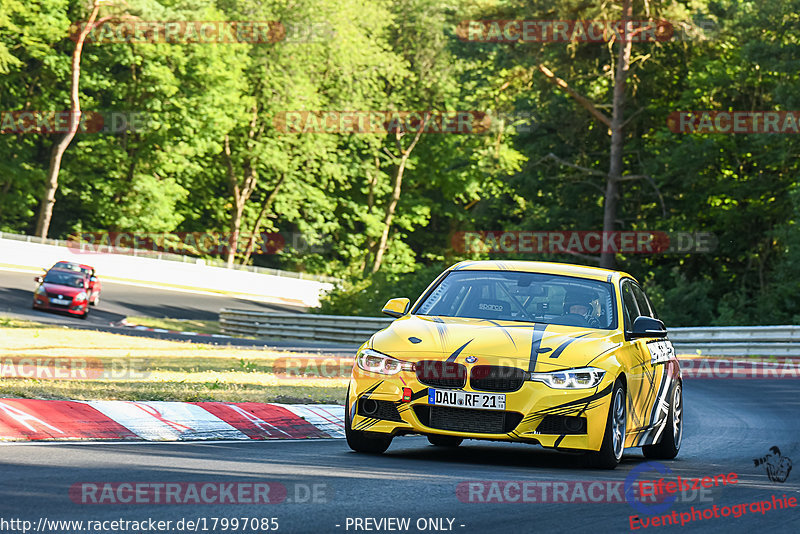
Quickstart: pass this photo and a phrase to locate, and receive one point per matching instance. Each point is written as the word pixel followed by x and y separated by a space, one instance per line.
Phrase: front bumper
pixel 43 303
pixel 529 416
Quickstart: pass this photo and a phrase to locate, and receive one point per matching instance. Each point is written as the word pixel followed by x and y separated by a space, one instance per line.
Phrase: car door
pixel 95 283
pixel 637 359
pixel 657 351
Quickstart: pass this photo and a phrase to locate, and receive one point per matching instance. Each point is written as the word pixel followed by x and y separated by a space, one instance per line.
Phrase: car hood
pixel 67 291
pixel 512 343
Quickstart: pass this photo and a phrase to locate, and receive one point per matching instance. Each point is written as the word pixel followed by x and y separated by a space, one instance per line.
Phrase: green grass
pixel 137 368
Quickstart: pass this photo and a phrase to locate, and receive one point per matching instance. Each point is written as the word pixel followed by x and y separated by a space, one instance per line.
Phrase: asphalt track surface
pixel 118 301
pixel 728 424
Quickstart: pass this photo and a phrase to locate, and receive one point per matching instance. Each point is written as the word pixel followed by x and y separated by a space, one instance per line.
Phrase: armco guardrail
pixel 336 328
pixel 737 340
pixel 712 341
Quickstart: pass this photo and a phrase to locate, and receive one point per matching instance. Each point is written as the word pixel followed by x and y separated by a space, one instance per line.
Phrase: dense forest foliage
pixel 382 210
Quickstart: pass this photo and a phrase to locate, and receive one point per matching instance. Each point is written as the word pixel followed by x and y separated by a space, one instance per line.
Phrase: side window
pixel 653 313
pixel 630 310
pixel 641 300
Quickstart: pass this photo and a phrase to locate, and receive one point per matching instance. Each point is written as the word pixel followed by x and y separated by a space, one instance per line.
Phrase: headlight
pixel 375 362
pixel 41 291
pixel 584 378
pixel 80 297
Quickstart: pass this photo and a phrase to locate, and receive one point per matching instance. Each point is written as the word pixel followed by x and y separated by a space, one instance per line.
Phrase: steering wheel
pixel 574 319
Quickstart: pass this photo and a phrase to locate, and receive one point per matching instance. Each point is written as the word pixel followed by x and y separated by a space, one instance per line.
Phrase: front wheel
pixel 610 453
pixel 360 441
pixel 669 445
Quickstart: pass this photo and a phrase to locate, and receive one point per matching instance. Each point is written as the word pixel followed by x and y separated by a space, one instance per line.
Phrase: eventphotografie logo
pixel 778 466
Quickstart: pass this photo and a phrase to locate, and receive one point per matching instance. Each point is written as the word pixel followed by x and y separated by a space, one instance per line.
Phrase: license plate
pixel 466 399
pixel 61 302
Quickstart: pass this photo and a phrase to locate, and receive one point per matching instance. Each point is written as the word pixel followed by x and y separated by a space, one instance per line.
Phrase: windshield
pixel 64 279
pixel 527 297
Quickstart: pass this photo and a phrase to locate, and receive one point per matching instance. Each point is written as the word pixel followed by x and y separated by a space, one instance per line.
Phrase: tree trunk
pixel 390 209
pixel 398 183
pixel 617 137
pixel 257 225
pixel 57 153
pixel 240 192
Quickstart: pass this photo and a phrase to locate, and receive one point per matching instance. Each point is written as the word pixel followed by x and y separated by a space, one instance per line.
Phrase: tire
pixel 359 441
pixel 610 453
pixel 669 445
pixel 95 302
pixel 445 441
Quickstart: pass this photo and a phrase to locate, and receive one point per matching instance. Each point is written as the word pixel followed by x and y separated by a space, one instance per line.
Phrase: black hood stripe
pixel 455 355
pixel 560 349
pixel 536 342
pixel 503 328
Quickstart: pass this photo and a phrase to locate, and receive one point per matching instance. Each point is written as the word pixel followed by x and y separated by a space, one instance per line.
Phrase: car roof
pixel 545 267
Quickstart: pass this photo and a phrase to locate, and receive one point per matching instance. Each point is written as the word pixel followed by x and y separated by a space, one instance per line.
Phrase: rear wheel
pixel 445 441
pixel 610 452
pixel 669 445
pixel 96 301
pixel 360 441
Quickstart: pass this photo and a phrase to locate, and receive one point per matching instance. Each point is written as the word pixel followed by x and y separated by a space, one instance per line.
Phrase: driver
pixel 581 303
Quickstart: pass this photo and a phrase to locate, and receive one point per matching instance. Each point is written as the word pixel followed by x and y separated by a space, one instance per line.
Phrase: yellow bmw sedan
pixel 567 357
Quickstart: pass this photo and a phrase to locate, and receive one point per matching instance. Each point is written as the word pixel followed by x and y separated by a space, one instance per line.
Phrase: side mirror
pixel 38 279
pixel 648 327
pixel 396 307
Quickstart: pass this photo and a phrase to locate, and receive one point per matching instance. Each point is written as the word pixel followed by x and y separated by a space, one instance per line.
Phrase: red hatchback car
pixel 94 282
pixel 63 290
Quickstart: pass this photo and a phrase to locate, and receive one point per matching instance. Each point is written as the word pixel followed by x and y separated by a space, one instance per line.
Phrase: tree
pixel 49 197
